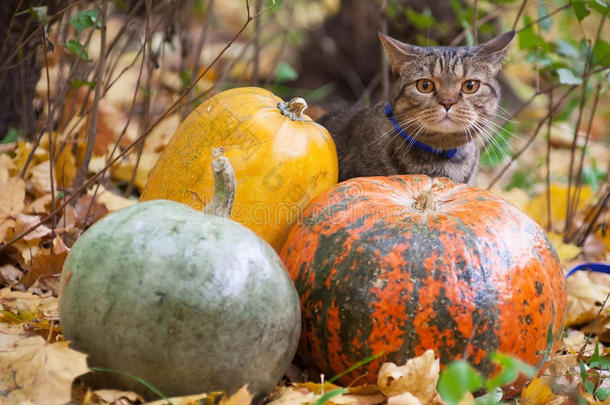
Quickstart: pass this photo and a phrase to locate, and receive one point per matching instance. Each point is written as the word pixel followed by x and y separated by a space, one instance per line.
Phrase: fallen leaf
pixel 293 395
pixel 241 397
pixel 41 178
pixel 565 251
pixel 585 296
pixel 537 208
pixel 40 372
pixel 111 396
pixel 85 215
pixel 24 222
pixel 12 197
pixel 538 392
pixel 112 201
pixel 39 206
pixel 404 399
pixel 10 275
pixel 47 263
pixel 418 377
pixel 6 167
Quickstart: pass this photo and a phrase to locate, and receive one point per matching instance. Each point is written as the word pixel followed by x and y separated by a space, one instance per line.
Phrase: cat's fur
pixel 369 145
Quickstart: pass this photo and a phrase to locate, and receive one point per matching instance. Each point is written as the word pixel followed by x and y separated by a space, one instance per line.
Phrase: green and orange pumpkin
pixel 401 264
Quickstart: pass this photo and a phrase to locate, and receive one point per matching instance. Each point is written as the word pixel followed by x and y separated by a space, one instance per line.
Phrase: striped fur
pixel 368 144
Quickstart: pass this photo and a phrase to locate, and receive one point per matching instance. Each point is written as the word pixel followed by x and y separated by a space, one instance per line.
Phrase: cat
pixel 442 100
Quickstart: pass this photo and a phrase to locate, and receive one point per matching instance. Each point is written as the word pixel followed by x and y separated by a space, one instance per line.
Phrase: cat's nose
pixel 447 103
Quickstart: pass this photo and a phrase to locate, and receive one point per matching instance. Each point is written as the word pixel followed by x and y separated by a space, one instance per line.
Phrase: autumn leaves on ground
pixel 113 89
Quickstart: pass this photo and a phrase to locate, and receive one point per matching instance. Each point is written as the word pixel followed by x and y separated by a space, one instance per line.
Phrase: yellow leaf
pixel 39 372
pixel 6 167
pixel 537 393
pixel 112 201
pixel 41 178
pixel 583 295
pixel 537 208
pixel 25 222
pixel 241 397
pixel 12 196
pixel 565 251
pixel 418 377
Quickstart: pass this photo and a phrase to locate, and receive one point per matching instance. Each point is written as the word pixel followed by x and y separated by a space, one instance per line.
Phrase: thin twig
pixel 385 73
pixel 519 13
pixel 92 132
pixel 548 163
pixel 145 121
pixel 531 139
pixel 131 146
pixel 257 45
pixel 475 32
pixel 50 131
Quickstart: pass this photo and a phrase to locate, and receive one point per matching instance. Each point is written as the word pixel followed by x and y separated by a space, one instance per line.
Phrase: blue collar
pixel 444 153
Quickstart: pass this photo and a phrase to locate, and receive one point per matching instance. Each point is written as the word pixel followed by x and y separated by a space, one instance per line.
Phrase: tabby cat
pixel 442 100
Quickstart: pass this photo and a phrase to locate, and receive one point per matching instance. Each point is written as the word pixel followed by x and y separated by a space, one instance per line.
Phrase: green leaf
pixel 39 13
pixel 566 76
pixel 330 394
pixel 357 365
pixel 602 393
pixel 599 6
pixel 84 19
pixel 523 179
pixel 77 83
pixel 497 151
pixel 601 53
pixel 11 135
pixel 76 48
pixel 285 73
pixel 580 9
pixel 511 367
pixel 422 20
pixel 544 21
pixel 589 386
pixel 528 39
pixel 120 4
pixel 490 398
pixel 565 48
pixel 596 360
pixel 456 380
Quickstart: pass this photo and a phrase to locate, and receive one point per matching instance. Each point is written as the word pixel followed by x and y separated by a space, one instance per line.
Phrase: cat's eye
pixel 470 86
pixel 424 85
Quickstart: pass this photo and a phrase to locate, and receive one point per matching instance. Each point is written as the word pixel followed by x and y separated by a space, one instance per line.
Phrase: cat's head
pixel 446 90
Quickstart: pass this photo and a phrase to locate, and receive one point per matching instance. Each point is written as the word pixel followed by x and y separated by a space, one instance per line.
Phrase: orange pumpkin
pixel 401 264
pixel 282 159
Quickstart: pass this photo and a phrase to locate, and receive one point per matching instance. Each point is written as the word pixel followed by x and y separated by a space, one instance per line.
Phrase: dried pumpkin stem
pixel 224 185
pixel 293 109
pixel 426 201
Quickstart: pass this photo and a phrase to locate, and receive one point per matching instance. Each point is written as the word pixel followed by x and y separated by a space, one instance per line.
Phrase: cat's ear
pixel 494 50
pixel 398 52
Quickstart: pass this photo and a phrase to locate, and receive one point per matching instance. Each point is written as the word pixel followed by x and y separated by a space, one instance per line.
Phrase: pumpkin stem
pixel 293 109
pixel 425 201
pixel 224 185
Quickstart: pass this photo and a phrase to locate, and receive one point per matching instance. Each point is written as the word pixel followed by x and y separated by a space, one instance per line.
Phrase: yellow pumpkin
pixel 282 159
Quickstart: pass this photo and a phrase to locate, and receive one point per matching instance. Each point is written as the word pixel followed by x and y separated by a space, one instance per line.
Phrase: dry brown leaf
pixel 84 213
pixel 6 168
pixel 418 377
pixel 10 275
pixel 25 222
pixel 600 327
pixel 293 396
pixel 47 263
pixel 41 178
pixel 112 201
pixel 18 302
pixel 40 372
pixel 12 197
pixel 241 397
pixel 111 396
pixel 39 205
pixel 585 295
pixel 538 392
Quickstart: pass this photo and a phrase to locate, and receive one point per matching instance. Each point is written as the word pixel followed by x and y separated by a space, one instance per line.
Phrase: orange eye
pixel 470 86
pixel 424 85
